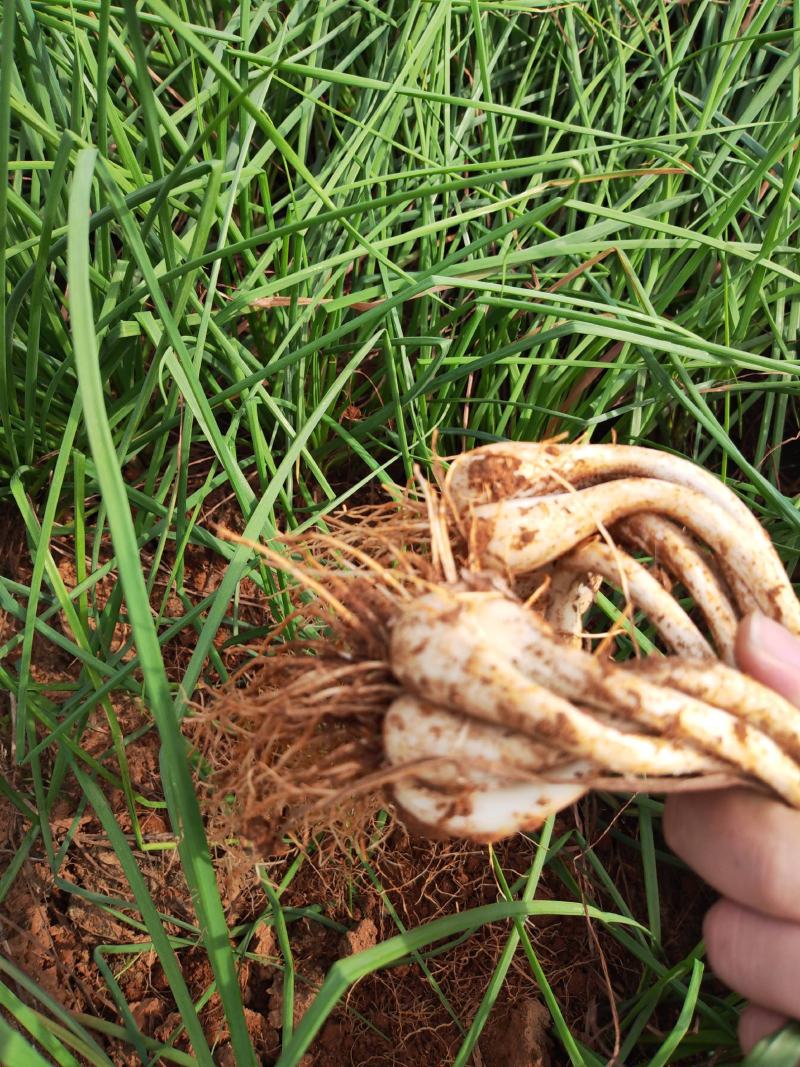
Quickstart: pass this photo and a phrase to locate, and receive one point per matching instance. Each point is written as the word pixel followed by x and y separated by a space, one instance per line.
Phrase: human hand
pixel 747 846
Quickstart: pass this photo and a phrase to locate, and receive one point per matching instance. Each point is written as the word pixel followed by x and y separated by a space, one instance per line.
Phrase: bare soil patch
pixel 348 895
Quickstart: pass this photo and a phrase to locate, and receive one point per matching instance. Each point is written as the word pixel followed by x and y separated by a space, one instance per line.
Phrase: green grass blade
pixel 184 810
pixel 349 970
pixel 15 1050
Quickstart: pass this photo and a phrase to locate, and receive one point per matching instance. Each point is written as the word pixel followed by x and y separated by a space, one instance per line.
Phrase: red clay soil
pixel 392 1017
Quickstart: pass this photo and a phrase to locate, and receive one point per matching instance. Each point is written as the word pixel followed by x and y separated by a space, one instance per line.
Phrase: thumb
pixel 770 654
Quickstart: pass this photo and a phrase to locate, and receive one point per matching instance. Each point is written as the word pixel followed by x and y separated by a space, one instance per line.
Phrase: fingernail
pixel 772 640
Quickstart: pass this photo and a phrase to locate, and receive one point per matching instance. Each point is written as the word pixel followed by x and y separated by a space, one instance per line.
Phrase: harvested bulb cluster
pixel 509 711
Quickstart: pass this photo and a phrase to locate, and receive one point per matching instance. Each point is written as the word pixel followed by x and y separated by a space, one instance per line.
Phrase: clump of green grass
pixel 263 254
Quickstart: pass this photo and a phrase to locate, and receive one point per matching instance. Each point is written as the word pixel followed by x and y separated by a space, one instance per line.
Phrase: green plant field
pixel 260 256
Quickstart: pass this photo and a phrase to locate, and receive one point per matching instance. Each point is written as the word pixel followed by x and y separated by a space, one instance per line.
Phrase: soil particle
pixel 364 936
pixel 523 539
pixel 518 1037
pixel 496 476
pixel 148 1013
pixel 266 1039
pixel 460 806
pixel 481 536
pixel 226 1057
pixel 450 616
pixel 263 942
pixel 304 994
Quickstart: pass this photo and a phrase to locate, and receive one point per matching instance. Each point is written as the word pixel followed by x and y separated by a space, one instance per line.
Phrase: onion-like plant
pixel 454 659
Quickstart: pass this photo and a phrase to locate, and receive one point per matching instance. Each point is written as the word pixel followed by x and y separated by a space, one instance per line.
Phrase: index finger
pixel 742 844
pixel 770 654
